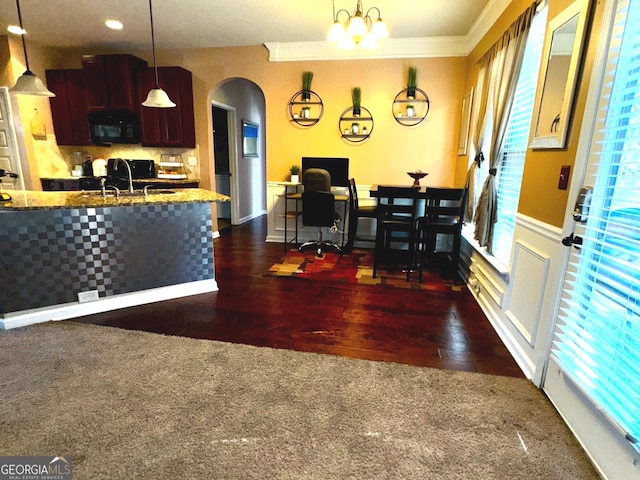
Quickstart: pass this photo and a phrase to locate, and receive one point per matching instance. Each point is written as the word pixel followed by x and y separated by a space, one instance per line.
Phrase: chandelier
pixel 357 29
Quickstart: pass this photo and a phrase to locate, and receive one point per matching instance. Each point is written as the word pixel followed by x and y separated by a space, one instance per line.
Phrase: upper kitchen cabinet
pixel 110 81
pixel 168 127
pixel 68 107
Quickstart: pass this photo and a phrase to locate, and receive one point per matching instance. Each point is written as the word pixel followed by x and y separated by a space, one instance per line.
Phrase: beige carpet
pixel 139 405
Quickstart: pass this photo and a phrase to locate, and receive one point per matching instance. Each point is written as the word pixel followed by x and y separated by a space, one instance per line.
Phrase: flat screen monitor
pixel 338 168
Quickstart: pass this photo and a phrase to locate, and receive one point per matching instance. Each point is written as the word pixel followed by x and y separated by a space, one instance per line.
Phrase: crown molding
pixel 390 48
pixel 459 46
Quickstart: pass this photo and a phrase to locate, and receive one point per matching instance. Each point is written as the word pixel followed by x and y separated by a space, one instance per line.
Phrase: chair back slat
pixel 445 204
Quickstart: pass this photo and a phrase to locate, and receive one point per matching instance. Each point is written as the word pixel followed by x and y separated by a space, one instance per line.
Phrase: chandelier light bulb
pixel 336 32
pixel 369 41
pixel 346 43
pixel 379 29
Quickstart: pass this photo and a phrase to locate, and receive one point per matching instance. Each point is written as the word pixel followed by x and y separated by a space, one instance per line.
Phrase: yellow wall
pixel 392 149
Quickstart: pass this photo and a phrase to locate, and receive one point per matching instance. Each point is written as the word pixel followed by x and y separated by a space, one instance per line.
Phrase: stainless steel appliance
pixel 107 128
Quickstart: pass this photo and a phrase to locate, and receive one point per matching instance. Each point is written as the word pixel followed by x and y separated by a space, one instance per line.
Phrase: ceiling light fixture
pixel 16 30
pixel 157 97
pixel 114 24
pixel 28 83
pixel 357 29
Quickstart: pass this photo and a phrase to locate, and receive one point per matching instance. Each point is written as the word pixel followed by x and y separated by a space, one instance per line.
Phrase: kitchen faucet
pixel 115 166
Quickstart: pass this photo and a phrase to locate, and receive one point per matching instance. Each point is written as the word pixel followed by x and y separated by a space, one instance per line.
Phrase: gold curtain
pixel 499 69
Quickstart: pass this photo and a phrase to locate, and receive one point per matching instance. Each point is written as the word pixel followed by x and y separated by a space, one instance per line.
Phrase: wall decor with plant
pixel 411 105
pixel 305 107
pixel 356 122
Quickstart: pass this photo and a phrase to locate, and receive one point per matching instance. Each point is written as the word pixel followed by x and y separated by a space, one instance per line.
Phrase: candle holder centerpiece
pixel 416 177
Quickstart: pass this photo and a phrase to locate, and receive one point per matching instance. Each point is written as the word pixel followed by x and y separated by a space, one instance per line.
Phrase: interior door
pixel 9 157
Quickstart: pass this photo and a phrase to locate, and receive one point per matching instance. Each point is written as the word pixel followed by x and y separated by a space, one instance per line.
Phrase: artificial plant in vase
pixel 412 82
pixel 356 98
pixel 307 78
pixel 294 170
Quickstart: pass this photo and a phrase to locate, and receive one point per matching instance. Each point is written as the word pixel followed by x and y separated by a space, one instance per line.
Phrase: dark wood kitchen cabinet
pixel 68 107
pixel 111 81
pixel 168 127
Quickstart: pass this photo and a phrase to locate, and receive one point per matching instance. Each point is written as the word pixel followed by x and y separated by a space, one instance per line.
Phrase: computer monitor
pixel 338 168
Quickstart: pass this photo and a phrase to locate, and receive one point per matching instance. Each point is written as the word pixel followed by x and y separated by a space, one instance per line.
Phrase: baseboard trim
pixel 72 310
pixel 507 338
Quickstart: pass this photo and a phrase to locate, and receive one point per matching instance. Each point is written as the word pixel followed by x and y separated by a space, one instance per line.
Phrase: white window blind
pixel 514 146
pixel 597 336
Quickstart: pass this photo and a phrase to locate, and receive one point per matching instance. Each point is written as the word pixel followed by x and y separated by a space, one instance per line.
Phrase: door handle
pixel 572 239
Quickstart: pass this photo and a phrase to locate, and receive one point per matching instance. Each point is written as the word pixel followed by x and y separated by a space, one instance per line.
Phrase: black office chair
pixel 444 215
pixel 395 225
pixel 356 212
pixel 318 209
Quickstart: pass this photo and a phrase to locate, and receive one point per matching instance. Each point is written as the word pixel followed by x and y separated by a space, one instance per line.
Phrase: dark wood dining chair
pixel 444 215
pixel 395 221
pixel 356 212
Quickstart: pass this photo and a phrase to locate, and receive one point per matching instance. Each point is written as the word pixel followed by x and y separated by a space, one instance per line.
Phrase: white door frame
pixel 233 158
pixel 9 151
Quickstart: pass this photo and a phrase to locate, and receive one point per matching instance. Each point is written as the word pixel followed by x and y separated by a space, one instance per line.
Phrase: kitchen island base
pixel 65 261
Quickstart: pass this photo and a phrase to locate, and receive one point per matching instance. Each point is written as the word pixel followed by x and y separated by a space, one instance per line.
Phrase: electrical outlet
pixel 192 161
pixel 89 296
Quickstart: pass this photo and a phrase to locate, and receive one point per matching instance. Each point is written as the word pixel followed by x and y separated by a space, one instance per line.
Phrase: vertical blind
pixel 597 336
pixel 514 146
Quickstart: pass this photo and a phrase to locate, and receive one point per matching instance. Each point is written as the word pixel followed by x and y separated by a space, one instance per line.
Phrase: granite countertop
pixel 144 181
pixel 34 200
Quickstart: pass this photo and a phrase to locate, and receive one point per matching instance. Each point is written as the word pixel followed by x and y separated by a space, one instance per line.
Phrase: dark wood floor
pixel 440 330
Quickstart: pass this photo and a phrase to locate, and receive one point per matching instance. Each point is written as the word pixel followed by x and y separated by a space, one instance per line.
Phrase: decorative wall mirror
pixel 562 57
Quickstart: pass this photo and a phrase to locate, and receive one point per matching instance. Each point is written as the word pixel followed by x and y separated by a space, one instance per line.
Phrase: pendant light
pixel 28 83
pixel 157 97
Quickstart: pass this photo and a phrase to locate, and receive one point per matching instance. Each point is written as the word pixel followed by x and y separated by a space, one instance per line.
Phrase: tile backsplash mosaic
pixel 57 161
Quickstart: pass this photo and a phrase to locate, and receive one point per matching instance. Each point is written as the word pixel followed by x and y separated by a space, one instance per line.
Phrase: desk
pixel 293 192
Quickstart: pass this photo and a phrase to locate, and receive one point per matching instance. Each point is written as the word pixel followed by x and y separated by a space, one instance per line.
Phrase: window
pixel 514 146
pixel 597 336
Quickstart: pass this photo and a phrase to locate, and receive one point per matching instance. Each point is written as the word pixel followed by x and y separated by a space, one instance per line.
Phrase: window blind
pixel 516 140
pixel 597 336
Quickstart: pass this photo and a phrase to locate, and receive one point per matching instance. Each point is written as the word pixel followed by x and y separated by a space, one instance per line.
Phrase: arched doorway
pixel 242 175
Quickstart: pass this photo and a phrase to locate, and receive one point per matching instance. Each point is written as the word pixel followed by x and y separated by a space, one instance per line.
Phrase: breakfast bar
pixel 68 254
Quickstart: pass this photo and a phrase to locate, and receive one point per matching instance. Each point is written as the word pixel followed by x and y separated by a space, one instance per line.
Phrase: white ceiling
pixel 218 23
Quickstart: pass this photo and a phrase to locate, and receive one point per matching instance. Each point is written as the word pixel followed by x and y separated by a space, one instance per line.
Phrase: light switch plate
pixel 563 181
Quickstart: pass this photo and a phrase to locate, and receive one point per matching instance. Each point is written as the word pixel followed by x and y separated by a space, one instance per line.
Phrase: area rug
pixel 356 267
pixel 127 404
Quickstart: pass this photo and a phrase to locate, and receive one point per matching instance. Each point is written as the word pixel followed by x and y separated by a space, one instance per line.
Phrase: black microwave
pixel 119 126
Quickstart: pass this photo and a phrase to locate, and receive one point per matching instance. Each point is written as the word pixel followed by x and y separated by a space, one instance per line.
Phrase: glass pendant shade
pixel 29 84
pixel 357 27
pixel 158 98
pixel 336 32
pixel 369 41
pixel 379 29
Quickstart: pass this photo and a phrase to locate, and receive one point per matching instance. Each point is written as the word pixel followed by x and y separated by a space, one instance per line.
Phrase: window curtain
pixel 499 70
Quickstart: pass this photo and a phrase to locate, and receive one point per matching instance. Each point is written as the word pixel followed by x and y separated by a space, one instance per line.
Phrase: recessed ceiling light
pixel 113 24
pixel 16 30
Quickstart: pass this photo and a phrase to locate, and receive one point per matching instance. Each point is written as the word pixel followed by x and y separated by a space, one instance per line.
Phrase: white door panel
pixel 9 156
